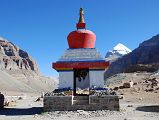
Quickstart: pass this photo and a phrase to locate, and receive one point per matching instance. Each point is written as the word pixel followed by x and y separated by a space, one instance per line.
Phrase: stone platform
pixel 71 103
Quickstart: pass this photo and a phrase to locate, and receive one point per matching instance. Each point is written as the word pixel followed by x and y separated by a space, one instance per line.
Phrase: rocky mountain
pixel 18 70
pixel 143 58
pixel 12 57
pixel 118 51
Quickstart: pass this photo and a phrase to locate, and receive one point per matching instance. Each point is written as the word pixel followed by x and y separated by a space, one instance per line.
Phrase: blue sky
pixel 41 26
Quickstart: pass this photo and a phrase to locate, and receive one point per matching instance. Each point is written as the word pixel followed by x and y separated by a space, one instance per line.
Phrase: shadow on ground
pixel 153 108
pixel 21 111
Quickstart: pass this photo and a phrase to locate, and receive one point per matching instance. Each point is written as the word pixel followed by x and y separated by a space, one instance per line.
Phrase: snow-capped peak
pixel 118 51
pixel 121 49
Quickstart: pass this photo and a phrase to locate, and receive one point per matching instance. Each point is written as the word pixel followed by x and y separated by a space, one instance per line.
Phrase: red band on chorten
pixel 80 65
pixel 81 25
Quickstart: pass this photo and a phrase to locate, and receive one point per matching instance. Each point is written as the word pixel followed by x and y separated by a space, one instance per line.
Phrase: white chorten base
pixel 95 78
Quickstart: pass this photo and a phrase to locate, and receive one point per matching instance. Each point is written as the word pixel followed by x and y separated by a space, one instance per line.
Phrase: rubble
pixel 55 94
pixel 92 91
pixel 128 85
pixel 116 88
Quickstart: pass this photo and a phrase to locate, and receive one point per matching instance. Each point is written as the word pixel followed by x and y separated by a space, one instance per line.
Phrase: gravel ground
pixel 28 109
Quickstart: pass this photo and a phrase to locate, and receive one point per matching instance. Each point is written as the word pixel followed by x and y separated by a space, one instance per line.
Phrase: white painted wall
pixel 96 78
pixel 65 79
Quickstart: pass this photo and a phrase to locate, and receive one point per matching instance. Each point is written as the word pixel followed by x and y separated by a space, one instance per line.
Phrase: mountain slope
pixel 19 72
pixel 143 58
pixel 9 83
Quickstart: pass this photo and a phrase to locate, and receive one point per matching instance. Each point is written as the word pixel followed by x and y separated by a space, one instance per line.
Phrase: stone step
pixel 80 102
pixel 81 98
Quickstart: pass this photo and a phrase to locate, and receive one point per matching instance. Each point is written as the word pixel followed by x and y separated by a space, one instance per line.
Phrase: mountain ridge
pixel 146 55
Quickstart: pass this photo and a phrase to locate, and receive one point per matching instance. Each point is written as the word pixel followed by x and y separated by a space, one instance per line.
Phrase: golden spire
pixel 81 18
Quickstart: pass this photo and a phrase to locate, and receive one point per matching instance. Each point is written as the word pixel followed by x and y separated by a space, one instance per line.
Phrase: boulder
pixel 126 85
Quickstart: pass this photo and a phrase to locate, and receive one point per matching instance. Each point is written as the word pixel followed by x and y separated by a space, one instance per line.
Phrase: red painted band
pixel 78 65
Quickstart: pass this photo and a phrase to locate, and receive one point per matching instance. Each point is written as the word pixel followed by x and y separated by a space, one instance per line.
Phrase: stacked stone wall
pixel 108 102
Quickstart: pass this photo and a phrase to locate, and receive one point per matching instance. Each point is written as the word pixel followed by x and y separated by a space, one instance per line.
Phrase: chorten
pixel 81 75
pixel 81 66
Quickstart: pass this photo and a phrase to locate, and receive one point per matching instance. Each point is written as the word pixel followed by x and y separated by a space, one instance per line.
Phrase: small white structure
pixel 81 68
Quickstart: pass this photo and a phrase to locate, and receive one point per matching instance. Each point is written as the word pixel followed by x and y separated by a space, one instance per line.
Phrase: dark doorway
pixel 81 82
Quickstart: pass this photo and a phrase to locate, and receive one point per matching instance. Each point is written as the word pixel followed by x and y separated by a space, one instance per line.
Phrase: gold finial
pixel 81 18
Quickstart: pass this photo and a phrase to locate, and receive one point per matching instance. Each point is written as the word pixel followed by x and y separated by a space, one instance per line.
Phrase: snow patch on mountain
pixel 121 49
pixel 118 51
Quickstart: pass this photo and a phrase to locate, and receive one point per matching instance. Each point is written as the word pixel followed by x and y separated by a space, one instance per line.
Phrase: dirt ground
pixel 135 106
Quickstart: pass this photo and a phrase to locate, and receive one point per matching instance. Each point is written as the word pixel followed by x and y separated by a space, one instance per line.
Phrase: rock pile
pixel 152 84
pixel 101 92
pixel 55 94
